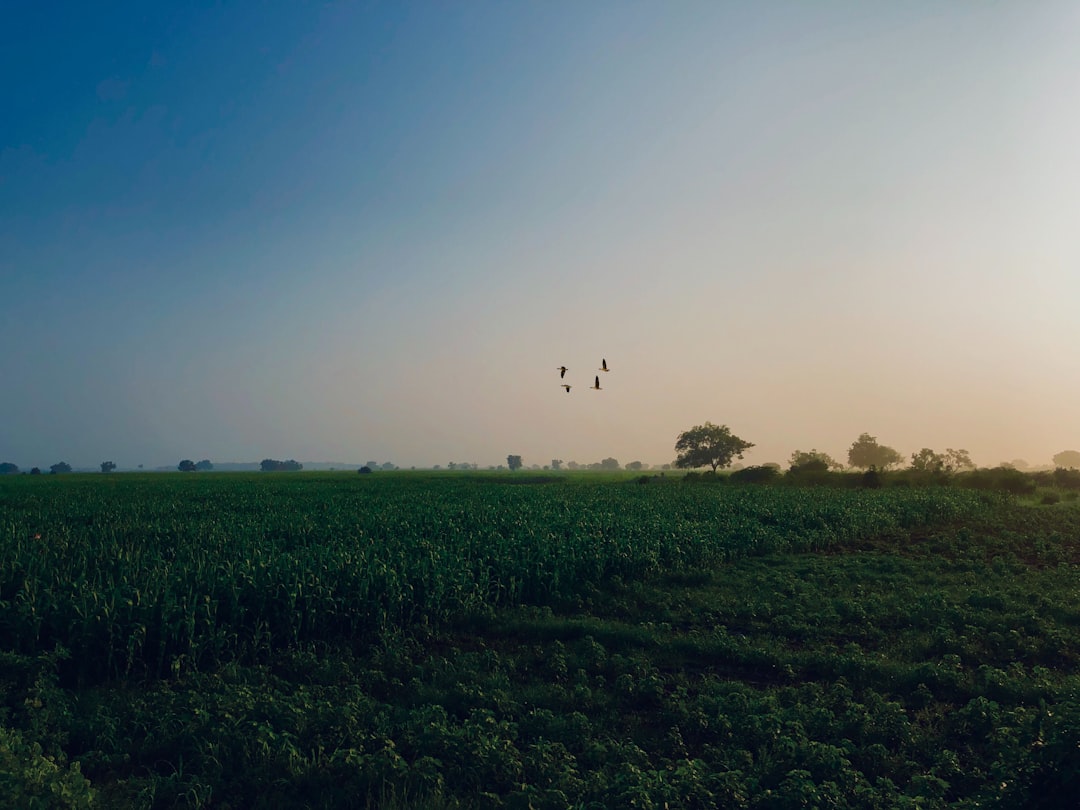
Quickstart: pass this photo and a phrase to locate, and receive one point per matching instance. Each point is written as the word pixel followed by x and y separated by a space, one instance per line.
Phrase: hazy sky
pixel 354 231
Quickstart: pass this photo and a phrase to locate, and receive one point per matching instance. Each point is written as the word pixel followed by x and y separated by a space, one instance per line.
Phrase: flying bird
pixel 562 371
pixel 603 365
pixel 567 387
pixel 596 386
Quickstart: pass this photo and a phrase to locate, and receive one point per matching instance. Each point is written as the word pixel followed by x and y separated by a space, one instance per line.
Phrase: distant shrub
pixel 365 470
pixel 706 477
pixel 803 477
pixel 1067 479
pixel 814 465
pixel 765 474
pixel 871 479
pixel 1000 479
pixel 273 465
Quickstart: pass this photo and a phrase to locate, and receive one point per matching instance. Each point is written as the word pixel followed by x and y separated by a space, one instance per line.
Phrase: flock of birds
pixel 595 386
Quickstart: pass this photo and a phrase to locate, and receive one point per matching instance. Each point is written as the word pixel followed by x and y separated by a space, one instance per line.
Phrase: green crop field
pixel 525 640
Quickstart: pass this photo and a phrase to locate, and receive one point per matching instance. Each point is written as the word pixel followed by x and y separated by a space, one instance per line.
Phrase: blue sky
pixel 359 231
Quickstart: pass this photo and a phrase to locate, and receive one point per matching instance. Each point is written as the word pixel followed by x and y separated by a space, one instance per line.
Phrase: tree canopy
pixel 812 461
pixel 513 462
pixel 108 466
pixel 708 445
pixel 1067 459
pixel 273 465
pixel 865 453
pixel 927 461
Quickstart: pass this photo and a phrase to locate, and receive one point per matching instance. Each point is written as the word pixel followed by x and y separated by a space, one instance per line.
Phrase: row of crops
pixel 147 576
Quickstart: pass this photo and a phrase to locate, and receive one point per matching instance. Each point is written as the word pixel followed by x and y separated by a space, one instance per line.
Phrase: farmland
pixel 474 640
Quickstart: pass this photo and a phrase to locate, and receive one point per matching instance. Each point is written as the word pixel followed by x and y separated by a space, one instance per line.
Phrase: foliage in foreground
pixel 931 668
pixel 927 663
pixel 139 576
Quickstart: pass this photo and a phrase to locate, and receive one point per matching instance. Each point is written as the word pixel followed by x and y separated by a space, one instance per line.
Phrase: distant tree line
pixel 7 468
pixel 273 465
pixel 187 465
pixel 713 446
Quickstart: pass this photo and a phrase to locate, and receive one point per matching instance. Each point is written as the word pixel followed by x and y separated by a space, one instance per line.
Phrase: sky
pixel 373 231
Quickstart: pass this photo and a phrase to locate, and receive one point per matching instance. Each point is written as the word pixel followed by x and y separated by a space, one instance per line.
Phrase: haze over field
pixel 373 231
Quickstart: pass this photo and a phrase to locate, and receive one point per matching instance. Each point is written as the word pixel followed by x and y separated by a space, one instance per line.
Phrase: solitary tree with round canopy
pixel 1067 459
pixel 708 445
pixel 865 453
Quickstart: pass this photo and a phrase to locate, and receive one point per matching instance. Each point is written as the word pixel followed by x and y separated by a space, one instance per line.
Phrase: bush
pixel 1050 498
pixel 28 778
pixel 755 475
pixel 814 465
pixel 1067 479
pixel 871 479
pixel 806 476
pixel 365 470
pixel 1000 479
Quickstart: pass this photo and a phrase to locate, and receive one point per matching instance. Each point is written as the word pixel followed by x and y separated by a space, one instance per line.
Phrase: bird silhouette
pixel 562 371
pixel 567 387
pixel 603 365
pixel 596 386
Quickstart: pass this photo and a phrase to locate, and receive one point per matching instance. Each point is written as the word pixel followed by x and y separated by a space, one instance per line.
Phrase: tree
pixel 204 466
pixel 556 464
pixel 927 461
pixel 7 468
pixel 812 461
pixel 60 467
pixel 187 465
pixel 635 466
pixel 708 445
pixel 609 464
pixel 273 465
pixel 513 462
pixel 107 466
pixel 958 460
pixel 35 470
pixel 866 453
pixel 365 470
pixel 761 474
pixel 1067 459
